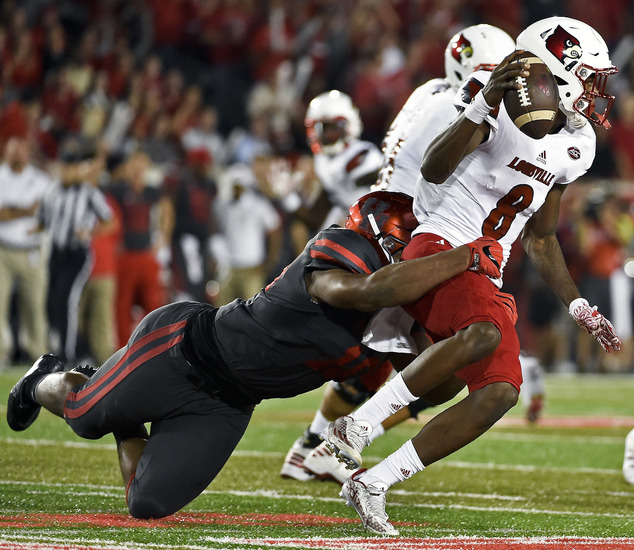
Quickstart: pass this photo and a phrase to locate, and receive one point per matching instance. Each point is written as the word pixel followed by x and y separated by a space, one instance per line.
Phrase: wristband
pixel 576 303
pixel 478 109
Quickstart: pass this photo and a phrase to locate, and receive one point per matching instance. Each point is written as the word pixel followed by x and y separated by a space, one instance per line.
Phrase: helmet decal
pixel 564 47
pixel 375 207
pixel 461 48
pixel 476 47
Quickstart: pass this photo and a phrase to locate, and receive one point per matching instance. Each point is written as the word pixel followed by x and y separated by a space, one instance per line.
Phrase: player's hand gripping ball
pixel 534 106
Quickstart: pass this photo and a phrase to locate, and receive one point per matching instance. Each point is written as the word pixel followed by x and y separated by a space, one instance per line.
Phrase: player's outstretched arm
pixel 403 282
pixel 540 242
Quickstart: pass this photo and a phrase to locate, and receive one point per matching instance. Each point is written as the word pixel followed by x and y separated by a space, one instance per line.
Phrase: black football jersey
pixel 280 343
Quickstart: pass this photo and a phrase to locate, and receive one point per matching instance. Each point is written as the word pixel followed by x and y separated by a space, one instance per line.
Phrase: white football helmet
pixel 579 58
pixel 476 47
pixel 331 122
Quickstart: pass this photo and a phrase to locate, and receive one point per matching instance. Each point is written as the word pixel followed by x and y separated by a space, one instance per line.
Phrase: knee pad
pixel 352 391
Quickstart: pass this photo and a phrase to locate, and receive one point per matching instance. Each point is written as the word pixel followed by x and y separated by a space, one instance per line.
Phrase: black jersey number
pixel 501 217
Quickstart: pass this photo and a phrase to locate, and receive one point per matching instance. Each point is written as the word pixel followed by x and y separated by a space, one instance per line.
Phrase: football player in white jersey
pixel 430 108
pixel 427 111
pixel 346 166
pixel 482 176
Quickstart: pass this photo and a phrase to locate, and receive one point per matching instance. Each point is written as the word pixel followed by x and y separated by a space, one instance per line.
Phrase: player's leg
pixel 444 434
pixel 7 279
pixel 437 364
pixel 533 386
pixel 494 388
pixel 182 457
pixel 31 295
pixel 339 399
pixel 628 458
pixel 127 275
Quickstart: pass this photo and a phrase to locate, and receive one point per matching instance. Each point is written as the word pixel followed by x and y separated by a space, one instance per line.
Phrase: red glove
pixel 486 257
pixel 590 320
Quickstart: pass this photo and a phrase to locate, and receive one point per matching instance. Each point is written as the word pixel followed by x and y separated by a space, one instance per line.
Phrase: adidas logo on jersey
pixel 396 406
pixel 542 157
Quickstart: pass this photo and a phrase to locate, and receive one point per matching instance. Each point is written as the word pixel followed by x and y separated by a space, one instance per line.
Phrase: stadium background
pixel 138 74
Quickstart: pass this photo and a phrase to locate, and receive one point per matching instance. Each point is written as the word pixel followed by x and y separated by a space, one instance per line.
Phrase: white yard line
pixel 280 455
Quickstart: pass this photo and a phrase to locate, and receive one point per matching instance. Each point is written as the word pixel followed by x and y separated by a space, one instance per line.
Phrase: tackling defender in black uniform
pixel 196 372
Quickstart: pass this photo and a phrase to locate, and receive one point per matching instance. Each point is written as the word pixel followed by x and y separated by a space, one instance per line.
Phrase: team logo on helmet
pixel 461 48
pixel 564 47
pixel 378 209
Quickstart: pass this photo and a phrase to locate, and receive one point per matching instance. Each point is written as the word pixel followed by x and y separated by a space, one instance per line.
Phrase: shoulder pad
pixel 343 248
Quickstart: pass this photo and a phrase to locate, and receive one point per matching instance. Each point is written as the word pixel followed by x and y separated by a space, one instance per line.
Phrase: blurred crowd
pixel 185 115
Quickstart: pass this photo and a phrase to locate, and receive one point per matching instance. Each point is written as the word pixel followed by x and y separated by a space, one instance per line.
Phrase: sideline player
pixel 471 187
pixel 346 166
pixel 196 372
pixel 428 110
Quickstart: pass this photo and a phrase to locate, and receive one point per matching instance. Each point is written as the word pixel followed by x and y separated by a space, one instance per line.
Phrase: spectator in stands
pixel 622 137
pixel 245 145
pixel 205 135
pixel 23 262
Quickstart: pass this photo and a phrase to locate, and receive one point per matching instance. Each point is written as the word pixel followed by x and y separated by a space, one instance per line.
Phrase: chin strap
pixel 578 121
pixel 377 233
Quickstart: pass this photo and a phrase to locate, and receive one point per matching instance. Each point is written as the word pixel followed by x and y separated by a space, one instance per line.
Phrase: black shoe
pixel 22 410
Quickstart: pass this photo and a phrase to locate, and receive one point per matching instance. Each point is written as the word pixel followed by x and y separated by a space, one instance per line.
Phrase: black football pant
pixel 192 434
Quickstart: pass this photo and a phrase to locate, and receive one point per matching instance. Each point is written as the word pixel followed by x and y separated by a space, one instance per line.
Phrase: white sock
pixel 392 397
pixel 399 466
pixel 319 424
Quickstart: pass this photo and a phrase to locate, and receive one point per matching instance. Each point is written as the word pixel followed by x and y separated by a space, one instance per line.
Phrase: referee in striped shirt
pixel 70 214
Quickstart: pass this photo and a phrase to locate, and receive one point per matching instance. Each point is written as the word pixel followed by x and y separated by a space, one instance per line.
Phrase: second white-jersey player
pixel 430 108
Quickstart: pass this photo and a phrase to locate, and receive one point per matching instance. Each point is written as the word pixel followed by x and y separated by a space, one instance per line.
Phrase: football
pixel 534 106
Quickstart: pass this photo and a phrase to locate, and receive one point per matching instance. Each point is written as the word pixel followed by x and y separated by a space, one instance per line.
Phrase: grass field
pixel 555 485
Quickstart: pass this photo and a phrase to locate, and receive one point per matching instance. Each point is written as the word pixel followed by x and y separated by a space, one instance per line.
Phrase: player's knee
pixel 146 506
pixel 494 400
pixel 481 340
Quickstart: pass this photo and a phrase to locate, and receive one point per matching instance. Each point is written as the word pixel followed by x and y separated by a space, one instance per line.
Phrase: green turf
pixel 517 480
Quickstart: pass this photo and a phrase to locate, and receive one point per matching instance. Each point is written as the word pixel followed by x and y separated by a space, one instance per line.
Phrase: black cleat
pixel 21 409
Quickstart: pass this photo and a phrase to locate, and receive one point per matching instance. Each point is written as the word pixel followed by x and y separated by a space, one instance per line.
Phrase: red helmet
pixel 384 217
